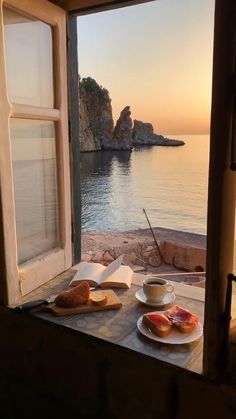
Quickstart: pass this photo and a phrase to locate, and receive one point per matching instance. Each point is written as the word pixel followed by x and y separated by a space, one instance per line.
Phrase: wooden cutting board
pixel 113 302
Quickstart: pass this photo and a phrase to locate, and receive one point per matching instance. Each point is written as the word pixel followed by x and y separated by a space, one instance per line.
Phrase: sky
pixel 156 58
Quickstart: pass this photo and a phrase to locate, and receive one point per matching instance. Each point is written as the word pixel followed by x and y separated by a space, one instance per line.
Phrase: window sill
pixel 119 327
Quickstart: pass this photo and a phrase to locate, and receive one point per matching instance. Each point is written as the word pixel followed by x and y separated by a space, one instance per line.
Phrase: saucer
pixel 168 299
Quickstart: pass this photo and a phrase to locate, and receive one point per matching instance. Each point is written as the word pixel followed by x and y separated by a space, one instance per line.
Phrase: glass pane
pixel 28 46
pixel 35 186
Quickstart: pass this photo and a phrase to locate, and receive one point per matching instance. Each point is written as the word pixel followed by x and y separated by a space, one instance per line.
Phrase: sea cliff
pixel 97 130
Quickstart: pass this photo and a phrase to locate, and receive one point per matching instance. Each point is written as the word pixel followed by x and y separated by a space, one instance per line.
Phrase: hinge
pixel 231 277
pixel 69 128
pixel 227 313
pixel 72 232
pixel 233 132
pixel 226 318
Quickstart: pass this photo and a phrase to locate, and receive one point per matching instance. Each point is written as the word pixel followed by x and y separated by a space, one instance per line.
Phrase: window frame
pixel 22 279
pixel 219 235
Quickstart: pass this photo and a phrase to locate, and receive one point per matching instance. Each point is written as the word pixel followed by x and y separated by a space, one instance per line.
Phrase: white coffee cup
pixel 156 288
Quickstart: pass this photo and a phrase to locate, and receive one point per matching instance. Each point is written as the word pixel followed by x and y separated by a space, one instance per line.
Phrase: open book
pixel 96 274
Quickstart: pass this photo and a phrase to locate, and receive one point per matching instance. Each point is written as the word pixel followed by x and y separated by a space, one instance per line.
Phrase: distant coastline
pixel 97 131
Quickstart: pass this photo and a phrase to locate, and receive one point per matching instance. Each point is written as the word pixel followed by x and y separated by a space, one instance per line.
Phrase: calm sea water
pixel 169 182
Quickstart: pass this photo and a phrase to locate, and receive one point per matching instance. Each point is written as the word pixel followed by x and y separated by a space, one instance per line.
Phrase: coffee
pixel 155 289
pixel 155 283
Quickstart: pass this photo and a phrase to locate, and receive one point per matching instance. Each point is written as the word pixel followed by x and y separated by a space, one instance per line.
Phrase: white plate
pixel 175 337
pixel 168 299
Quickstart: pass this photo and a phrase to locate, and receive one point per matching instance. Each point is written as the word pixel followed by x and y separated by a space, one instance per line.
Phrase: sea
pixel 170 183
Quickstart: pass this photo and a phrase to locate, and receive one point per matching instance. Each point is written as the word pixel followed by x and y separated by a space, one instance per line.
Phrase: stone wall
pixel 181 251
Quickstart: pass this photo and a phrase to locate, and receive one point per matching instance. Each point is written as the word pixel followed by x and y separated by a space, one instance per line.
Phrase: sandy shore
pixel 92 240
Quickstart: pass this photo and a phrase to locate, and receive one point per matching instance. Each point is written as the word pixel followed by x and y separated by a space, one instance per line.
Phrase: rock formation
pixel 143 135
pixel 96 130
pixel 97 101
pixel 88 142
pixel 122 136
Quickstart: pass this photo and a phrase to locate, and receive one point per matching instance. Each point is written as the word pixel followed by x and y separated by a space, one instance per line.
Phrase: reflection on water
pixel 102 175
pixel 102 163
pixel 169 182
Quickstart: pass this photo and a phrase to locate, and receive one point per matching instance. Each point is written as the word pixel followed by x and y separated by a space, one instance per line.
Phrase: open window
pixel 34 147
pixel 221 192
pixel 34 155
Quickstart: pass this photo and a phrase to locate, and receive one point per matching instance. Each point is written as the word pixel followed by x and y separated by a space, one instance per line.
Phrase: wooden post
pixel 221 198
pixel 74 135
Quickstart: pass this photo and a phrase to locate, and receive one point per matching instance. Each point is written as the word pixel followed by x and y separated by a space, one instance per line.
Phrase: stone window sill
pixel 118 327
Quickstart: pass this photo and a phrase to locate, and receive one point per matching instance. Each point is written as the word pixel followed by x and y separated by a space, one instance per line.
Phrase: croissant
pixel 74 297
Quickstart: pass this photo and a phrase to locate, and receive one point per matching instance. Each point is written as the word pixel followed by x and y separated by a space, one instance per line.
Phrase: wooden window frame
pixel 22 279
pixel 221 192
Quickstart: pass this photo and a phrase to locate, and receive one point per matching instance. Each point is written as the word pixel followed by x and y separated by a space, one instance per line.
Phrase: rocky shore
pixel 181 252
pixel 143 135
pixel 97 131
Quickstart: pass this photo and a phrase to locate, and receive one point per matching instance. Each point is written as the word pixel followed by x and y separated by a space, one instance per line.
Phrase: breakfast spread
pixel 80 299
pixel 176 317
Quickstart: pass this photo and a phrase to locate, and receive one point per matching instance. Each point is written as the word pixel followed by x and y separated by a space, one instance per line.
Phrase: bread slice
pixel 182 319
pixel 159 324
pixel 184 327
pixel 98 298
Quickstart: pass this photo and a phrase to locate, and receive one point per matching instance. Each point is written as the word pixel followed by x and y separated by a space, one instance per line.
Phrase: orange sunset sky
pixel 155 57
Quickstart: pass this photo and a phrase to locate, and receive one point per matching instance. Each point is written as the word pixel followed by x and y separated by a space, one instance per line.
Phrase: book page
pixel 88 271
pixel 110 269
pixel 121 278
